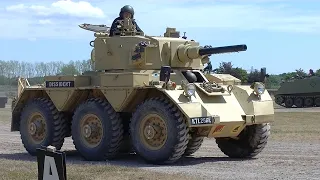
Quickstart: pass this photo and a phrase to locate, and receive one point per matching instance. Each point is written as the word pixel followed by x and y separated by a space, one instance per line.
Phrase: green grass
pixel 25 170
pixel 295 126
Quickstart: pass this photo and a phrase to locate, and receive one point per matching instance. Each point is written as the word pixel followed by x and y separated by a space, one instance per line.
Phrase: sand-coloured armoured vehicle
pixel 148 93
pixel 299 92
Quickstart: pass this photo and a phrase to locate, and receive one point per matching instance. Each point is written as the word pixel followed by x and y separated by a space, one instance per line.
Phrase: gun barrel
pixel 222 49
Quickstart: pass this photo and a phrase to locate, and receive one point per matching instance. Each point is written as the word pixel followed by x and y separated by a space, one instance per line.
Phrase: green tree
pixel 69 69
pixel 227 68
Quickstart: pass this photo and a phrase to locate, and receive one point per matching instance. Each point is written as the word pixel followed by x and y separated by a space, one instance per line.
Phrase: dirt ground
pixel 293 152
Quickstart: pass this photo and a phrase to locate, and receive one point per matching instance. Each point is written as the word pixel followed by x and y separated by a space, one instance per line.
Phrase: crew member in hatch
pixel 125 12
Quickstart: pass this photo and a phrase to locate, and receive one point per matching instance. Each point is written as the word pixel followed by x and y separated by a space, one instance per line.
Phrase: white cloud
pixel 64 7
pixel 45 21
pixel 60 19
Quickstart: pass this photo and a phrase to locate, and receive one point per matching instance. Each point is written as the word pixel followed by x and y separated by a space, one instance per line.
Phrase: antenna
pixel 184 35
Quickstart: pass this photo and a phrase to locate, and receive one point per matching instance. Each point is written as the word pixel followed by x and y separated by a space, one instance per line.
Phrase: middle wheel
pixel 97 130
pixel 159 132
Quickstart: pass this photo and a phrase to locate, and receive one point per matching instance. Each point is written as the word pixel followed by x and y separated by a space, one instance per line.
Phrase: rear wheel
pixel 251 141
pixel 42 125
pixel 159 132
pixel 97 130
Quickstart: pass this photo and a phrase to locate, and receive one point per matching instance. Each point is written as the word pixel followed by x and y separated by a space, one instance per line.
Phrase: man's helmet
pixel 127 8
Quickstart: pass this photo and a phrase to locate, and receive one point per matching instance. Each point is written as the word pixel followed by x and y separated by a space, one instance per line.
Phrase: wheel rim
pixel 153 131
pixel 91 130
pixel 37 127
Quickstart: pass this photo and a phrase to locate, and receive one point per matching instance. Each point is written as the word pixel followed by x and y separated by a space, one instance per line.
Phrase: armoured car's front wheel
pixel 194 144
pixel 251 141
pixel 158 131
pixel 97 130
pixel 41 125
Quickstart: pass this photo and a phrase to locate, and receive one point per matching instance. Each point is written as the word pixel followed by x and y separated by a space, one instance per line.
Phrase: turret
pixel 129 50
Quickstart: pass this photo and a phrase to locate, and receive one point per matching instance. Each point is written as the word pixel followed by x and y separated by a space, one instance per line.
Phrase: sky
pixel 281 35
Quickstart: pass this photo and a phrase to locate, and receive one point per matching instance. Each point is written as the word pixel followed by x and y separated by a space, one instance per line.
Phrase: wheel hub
pixel 35 127
pixel 152 131
pixel 32 128
pixel 87 131
pixel 91 130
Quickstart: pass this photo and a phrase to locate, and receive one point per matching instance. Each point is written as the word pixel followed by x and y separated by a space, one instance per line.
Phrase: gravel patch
pixel 279 160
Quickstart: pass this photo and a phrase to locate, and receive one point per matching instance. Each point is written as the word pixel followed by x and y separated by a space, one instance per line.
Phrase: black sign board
pixel 59 84
pixel 51 165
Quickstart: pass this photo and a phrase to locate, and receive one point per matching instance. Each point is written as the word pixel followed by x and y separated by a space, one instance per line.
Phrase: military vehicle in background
pixel 145 92
pixel 3 100
pixel 299 92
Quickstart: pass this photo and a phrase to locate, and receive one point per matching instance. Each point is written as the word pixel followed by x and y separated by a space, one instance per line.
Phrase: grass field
pixel 21 170
pixel 295 126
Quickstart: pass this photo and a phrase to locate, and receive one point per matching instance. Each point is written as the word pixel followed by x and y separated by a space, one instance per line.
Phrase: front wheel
pixel 251 141
pixel 159 132
pixel 194 144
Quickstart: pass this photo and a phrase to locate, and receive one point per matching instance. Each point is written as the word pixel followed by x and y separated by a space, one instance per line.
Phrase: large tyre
pixel 159 132
pixel 97 130
pixel 251 142
pixel 41 125
pixel 194 144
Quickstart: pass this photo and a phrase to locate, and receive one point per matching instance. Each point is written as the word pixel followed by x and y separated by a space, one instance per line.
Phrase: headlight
pixel 258 88
pixel 189 89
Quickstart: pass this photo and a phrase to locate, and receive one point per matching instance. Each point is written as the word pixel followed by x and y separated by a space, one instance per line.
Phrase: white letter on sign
pixel 50 169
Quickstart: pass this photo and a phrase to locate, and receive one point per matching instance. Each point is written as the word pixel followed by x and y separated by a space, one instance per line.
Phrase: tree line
pixel 11 70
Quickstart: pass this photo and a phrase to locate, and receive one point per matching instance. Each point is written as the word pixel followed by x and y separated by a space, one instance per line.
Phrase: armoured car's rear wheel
pixel 159 132
pixel 251 142
pixel 41 125
pixel 97 130
pixel 194 144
